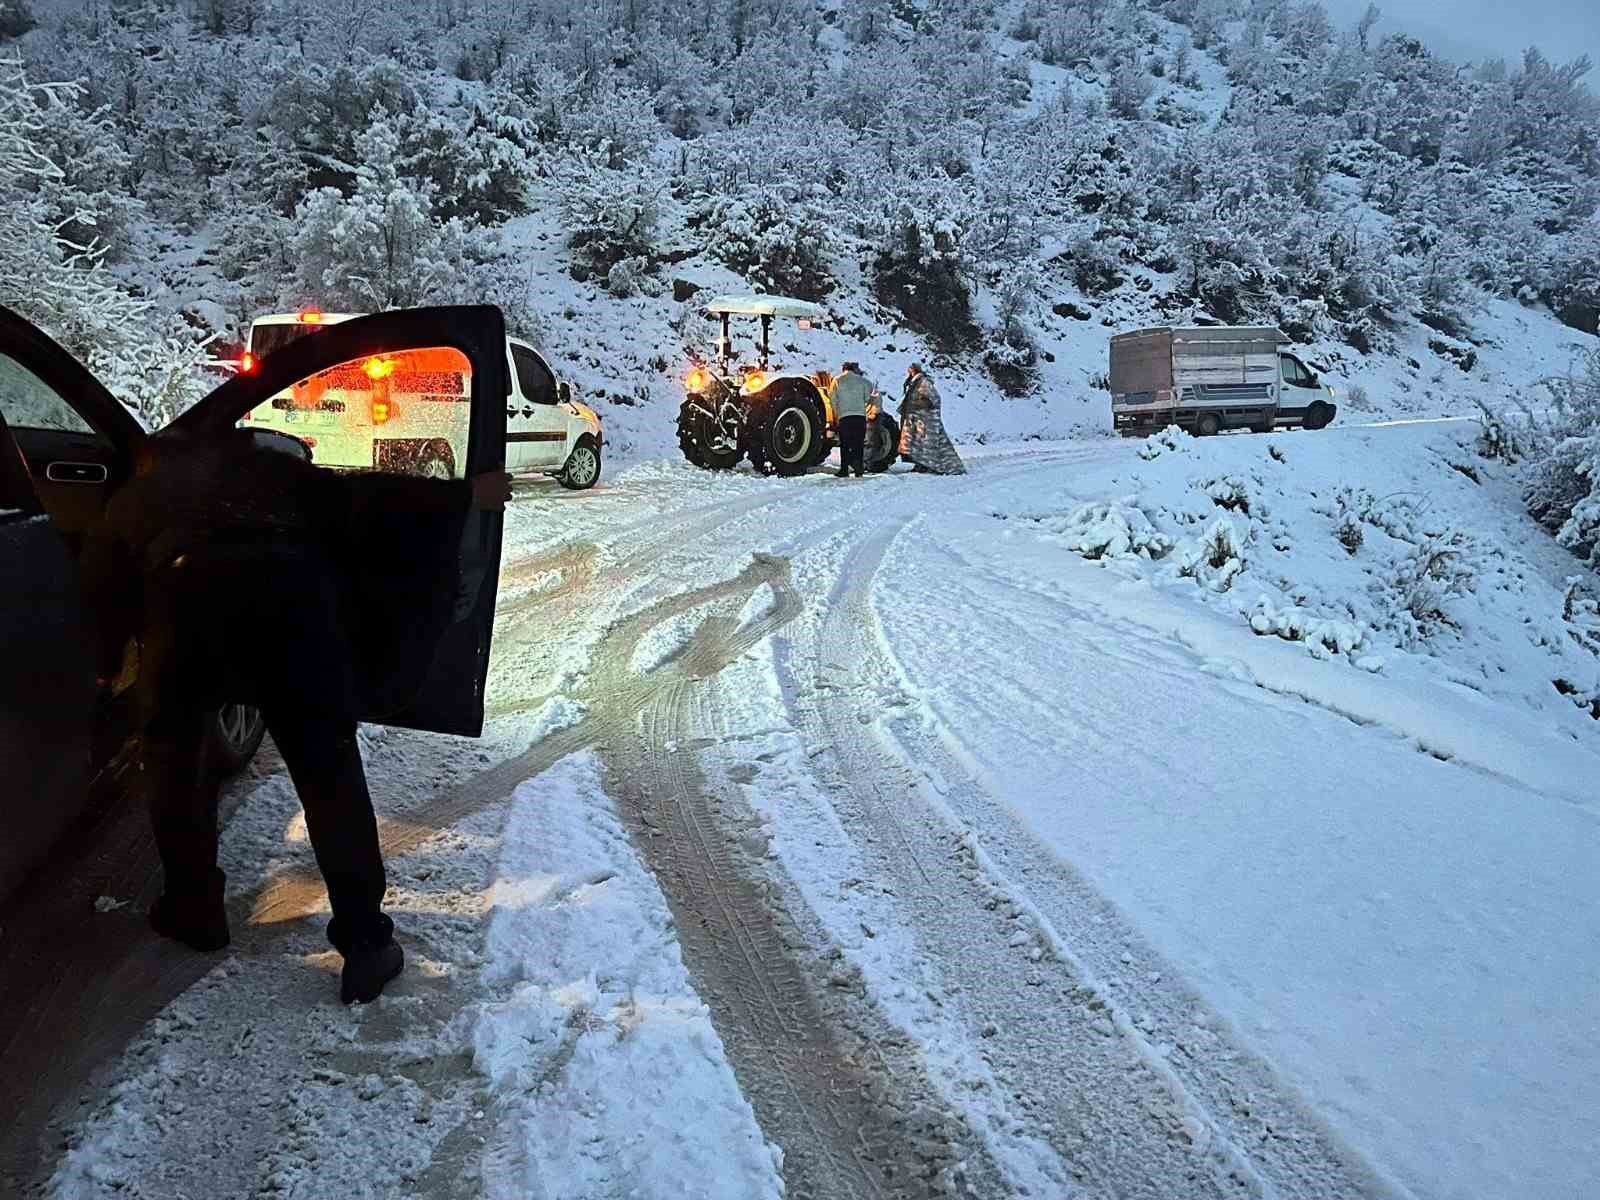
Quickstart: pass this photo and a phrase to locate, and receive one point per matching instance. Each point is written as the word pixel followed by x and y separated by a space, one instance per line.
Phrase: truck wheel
pixel 582 470
pixel 435 462
pixel 700 440
pixel 791 428
pixel 883 444
pixel 1206 424
pixel 235 736
pixel 1319 415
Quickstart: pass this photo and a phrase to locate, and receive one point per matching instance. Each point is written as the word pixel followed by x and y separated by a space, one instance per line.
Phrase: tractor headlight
pixel 754 381
pixel 697 380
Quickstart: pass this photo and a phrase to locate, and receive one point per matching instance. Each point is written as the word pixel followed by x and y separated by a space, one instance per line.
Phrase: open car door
pixel 65 443
pixel 422 583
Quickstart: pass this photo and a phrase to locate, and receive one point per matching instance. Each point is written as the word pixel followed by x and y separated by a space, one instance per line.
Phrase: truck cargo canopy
pixel 1144 360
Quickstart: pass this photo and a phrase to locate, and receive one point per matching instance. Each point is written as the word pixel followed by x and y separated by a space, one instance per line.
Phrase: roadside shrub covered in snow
pixel 1114 529
pixel 1439 569
pixel 1323 637
pixel 1172 438
pixel 1213 559
pixel 1563 489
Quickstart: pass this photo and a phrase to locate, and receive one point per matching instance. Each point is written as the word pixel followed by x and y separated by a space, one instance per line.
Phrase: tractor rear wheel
pixel 702 442
pixel 790 430
pixel 883 444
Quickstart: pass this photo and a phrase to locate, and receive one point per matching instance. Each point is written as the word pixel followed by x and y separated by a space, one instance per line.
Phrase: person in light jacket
pixel 851 393
pixel 923 441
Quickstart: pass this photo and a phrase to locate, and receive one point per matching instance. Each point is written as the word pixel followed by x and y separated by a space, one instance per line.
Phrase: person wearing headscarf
pixel 923 441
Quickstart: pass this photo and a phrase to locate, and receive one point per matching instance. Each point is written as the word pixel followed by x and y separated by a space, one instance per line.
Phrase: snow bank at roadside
pixel 607 1076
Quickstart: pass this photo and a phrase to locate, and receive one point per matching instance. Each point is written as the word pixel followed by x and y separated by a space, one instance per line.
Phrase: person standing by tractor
pixel 923 440
pixel 851 393
pixel 213 540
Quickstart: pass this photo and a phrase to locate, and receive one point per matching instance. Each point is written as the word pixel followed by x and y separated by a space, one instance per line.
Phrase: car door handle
pixel 76 472
pixel 527 412
pixel 511 412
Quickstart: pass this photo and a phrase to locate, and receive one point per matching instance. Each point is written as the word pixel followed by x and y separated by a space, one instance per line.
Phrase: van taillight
pixel 247 363
pixel 380 411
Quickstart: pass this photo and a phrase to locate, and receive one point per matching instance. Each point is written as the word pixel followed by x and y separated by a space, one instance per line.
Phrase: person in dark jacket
pixel 227 573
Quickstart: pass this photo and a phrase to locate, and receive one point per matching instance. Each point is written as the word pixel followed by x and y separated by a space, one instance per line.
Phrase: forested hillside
pixel 992 176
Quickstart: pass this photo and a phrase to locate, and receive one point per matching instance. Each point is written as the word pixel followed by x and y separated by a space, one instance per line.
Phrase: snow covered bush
pixel 1111 529
pixel 1213 559
pixel 775 237
pixel 609 213
pixel 16 18
pixel 1229 492
pixel 1497 439
pixel 1322 636
pixel 1172 439
pixel 1438 569
pixel 1563 487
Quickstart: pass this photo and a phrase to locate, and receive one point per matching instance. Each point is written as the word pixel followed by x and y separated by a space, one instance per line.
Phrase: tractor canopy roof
pixel 763 306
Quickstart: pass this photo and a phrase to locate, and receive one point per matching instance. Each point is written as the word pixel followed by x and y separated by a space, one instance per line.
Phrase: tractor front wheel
pixel 703 443
pixel 790 432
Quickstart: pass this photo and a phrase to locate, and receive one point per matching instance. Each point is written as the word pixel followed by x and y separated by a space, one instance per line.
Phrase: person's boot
pixel 193 913
pixel 371 957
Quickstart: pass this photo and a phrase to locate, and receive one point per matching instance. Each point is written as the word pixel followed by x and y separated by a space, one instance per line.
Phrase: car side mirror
pixel 564 392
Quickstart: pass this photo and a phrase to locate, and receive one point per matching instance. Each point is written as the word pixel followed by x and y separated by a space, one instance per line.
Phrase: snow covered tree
pixel 16 18
pixel 64 286
pixel 380 247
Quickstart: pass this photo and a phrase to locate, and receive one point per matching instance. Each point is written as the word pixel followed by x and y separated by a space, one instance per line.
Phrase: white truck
pixel 1210 378
pixel 408 412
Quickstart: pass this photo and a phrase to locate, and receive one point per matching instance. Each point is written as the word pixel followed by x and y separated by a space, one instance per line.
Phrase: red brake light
pixel 247 363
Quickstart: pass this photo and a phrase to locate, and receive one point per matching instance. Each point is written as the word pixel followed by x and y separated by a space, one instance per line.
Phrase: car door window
pixel 30 403
pixel 1294 374
pixel 535 379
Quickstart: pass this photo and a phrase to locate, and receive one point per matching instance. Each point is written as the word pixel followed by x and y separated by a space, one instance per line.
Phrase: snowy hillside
pixel 992 187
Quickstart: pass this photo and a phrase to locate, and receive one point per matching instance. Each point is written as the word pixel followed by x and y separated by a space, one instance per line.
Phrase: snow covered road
pixel 859 839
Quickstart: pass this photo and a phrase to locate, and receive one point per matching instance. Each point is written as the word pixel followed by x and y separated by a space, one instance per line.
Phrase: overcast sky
pixel 1475 29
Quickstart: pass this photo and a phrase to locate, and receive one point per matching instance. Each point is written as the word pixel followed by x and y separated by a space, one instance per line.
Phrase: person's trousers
pixel 852 443
pixel 324 761
pixel 304 686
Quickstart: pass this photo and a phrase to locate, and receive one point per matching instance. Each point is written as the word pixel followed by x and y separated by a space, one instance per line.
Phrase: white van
pixel 1213 377
pixel 401 412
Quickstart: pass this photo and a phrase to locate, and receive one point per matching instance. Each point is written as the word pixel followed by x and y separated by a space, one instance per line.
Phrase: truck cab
pixel 1210 378
pixel 394 414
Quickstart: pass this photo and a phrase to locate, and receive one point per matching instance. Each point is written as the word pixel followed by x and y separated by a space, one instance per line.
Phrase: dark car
pixel 66 445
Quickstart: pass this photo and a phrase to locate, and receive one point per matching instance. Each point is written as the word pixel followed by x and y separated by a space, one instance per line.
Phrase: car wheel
pixel 1206 424
pixel 702 442
pixel 236 733
pixel 883 444
pixel 790 433
pixel 583 465
pixel 1319 415
pixel 434 462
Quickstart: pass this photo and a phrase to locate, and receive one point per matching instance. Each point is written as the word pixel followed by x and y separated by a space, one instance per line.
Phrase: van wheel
pixel 1206 424
pixel 235 736
pixel 583 466
pixel 1319 415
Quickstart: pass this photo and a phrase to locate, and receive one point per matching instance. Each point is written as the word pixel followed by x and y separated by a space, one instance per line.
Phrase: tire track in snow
pixel 1122 1120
